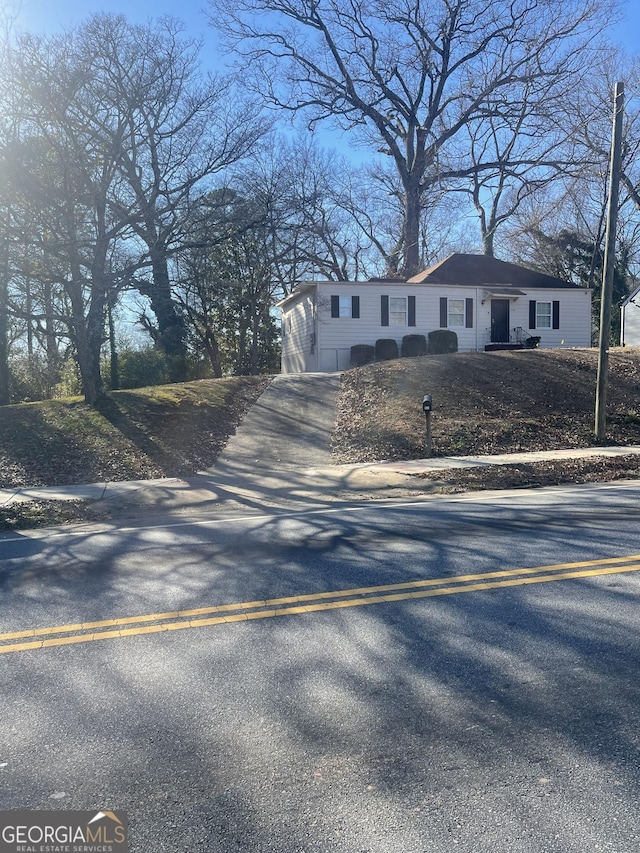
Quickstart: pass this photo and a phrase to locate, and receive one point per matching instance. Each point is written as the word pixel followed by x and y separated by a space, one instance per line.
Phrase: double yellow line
pixel 201 617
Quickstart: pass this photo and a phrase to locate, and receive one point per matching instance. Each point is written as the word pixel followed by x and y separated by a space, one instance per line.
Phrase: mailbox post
pixel 427 405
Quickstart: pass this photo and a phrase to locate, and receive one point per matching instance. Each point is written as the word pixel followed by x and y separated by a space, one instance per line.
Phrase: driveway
pixel 289 426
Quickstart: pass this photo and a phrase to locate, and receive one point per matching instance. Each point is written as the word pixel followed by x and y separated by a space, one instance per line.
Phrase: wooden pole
pixel 609 263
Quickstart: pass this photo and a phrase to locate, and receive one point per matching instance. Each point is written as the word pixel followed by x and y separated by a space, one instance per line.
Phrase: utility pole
pixel 609 263
pixel 4 312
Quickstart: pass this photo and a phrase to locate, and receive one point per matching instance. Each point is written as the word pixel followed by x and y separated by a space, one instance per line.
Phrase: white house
pixel 630 320
pixel 484 300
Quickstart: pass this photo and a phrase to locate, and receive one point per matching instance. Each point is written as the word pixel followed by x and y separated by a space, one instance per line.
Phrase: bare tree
pixel 301 189
pixel 572 212
pixel 8 133
pixel 117 134
pixel 226 285
pixel 283 218
pixel 505 162
pixel 411 75
pixel 595 138
pixel 60 176
pixel 176 129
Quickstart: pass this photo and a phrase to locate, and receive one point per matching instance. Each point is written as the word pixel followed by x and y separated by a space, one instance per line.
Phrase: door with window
pixel 499 321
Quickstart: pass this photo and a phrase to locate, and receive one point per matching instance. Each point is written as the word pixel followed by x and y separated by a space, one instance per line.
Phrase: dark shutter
pixel 335 306
pixel 532 313
pixel 468 313
pixel 384 310
pixel 411 310
pixel 443 312
pixel 355 307
pixel 556 314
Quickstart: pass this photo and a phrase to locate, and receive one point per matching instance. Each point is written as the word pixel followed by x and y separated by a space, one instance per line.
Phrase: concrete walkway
pixel 262 487
pixel 289 426
pixel 280 457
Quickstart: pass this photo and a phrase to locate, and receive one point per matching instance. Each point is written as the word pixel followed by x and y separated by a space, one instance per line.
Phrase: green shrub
pixel 31 378
pixel 386 349
pixel 413 345
pixel 70 383
pixel 362 354
pixel 143 367
pixel 442 341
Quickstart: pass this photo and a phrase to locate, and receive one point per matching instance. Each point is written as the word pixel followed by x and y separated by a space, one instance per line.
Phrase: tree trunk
pixel 88 357
pixel 113 352
pixel 411 226
pixel 488 240
pixel 86 334
pixel 171 332
pixel 254 346
pixel 89 365
pixel 241 354
pixel 51 344
pixel 4 343
pixel 28 307
pixel 213 351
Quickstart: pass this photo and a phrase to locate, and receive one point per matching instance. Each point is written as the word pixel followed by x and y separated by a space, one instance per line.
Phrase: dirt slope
pixel 484 403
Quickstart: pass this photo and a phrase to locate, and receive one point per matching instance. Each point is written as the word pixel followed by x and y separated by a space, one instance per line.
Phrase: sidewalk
pixel 279 457
pixel 250 484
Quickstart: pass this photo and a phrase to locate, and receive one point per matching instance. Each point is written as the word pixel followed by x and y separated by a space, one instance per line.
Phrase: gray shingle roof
pixel 481 270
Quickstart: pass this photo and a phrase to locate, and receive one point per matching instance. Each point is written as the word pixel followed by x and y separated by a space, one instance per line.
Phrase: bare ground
pixel 484 403
pixel 490 403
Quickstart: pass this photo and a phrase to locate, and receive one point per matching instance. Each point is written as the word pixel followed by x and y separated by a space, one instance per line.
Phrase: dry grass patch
pixel 168 431
pixel 535 474
pixel 484 403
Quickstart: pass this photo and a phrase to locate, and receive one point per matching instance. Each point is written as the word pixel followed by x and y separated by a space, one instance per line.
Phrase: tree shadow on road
pixel 478 720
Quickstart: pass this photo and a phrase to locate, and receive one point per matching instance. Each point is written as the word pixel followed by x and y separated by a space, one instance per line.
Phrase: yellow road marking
pixel 82 632
pixel 297 599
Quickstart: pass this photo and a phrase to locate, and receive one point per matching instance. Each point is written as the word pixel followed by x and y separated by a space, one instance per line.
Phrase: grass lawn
pixel 168 431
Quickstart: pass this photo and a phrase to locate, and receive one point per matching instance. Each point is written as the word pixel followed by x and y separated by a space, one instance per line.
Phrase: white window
pixel 456 312
pixel 543 315
pixel 398 310
pixel 345 306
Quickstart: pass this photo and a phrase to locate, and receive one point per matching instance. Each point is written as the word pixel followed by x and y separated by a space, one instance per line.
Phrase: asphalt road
pixel 452 674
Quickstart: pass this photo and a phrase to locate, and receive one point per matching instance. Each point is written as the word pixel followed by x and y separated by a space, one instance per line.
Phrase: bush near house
pixel 362 354
pixel 386 349
pixel 442 341
pixel 413 345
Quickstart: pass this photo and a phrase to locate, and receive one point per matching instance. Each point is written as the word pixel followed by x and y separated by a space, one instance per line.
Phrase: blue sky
pixel 45 15
pixel 52 15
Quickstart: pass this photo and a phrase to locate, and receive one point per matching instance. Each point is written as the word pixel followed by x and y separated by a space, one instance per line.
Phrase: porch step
pixel 496 346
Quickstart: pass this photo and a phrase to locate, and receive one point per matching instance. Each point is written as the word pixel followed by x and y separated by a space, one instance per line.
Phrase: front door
pixel 500 321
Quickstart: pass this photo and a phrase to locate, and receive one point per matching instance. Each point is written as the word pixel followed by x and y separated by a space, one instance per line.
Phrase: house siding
pixel 333 333
pixel 299 344
pixel 574 327
pixel 630 321
pixel 336 335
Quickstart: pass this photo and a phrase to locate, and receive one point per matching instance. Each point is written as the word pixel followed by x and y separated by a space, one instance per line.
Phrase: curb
pixel 106 490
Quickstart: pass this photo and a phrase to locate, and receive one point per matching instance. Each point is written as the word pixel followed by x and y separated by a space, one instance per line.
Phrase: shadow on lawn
pixel 121 419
